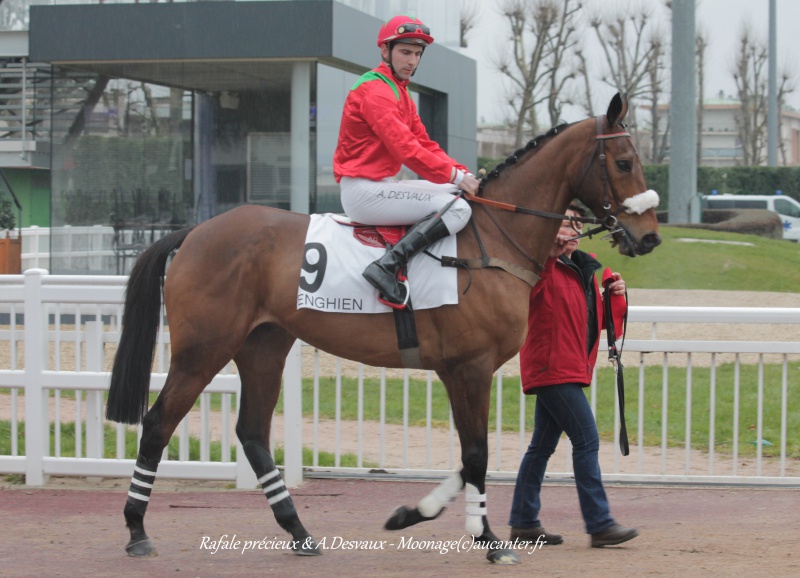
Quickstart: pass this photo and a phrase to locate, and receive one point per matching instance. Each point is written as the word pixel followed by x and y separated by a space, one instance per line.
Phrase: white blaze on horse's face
pixel 642 202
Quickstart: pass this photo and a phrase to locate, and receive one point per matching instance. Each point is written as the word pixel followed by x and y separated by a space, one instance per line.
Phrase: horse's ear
pixel 617 109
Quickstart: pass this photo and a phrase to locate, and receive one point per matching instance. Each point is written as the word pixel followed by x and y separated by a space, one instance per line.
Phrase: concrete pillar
pixel 300 139
pixel 683 113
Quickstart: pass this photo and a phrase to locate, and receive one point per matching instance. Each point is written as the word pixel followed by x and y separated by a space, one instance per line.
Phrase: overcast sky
pixel 721 20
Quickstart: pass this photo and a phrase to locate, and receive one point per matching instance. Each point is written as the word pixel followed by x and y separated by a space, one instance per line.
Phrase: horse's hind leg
pixel 176 399
pixel 260 363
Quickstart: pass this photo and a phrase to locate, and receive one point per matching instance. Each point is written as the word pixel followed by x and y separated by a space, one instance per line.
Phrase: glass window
pixel 140 160
pixel 786 207
pixel 119 177
pixel 333 85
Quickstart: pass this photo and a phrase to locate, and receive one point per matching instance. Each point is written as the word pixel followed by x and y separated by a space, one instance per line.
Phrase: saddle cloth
pixel 336 252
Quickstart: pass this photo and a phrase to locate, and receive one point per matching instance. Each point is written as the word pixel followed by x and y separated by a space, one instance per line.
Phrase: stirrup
pixel 399 306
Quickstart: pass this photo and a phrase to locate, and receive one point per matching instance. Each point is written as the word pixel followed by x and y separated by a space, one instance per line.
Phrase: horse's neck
pixel 540 183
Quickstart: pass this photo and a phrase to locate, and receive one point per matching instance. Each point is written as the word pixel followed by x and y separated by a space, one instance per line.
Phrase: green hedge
pixel 732 180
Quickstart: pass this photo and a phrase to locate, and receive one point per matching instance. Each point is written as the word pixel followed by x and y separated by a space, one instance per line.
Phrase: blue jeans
pixel 562 408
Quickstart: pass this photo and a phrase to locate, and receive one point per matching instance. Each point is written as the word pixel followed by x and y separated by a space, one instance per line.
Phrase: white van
pixel 787 208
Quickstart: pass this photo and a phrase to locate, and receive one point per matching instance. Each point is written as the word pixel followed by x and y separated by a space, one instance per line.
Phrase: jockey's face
pixel 403 58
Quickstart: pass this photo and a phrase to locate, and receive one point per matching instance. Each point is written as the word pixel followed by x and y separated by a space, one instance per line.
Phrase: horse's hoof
pixel 308 547
pixel 503 557
pixel 401 518
pixel 404 517
pixel 141 548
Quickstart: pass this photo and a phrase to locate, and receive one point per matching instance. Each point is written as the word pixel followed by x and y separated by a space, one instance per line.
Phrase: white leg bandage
pixel 475 512
pixel 442 495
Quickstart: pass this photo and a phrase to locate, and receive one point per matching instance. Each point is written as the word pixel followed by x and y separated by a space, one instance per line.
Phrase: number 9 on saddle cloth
pixel 336 252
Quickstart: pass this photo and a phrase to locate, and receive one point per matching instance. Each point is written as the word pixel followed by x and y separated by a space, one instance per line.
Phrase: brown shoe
pixel 524 536
pixel 612 536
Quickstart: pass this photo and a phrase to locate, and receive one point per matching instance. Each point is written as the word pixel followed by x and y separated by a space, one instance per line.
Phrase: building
pixel 721 145
pixel 496 141
pixel 149 117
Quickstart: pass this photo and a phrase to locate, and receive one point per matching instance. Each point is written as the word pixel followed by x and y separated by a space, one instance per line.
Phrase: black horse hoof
pixel 307 547
pixel 404 517
pixel 502 557
pixel 141 548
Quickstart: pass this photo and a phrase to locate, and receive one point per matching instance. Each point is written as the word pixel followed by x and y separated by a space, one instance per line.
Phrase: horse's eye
pixel 624 166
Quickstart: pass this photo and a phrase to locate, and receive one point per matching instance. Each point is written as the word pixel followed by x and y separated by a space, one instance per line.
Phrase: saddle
pixel 374 235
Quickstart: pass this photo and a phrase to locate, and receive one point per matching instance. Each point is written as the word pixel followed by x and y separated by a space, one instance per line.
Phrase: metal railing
pixel 700 410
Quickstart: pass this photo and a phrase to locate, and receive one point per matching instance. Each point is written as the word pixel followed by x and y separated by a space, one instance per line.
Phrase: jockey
pixel 380 131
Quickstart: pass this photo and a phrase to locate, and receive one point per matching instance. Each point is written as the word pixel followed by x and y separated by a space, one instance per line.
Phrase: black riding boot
pixel 382 274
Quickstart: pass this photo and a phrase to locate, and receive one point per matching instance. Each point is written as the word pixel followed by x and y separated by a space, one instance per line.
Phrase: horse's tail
pixel 130 377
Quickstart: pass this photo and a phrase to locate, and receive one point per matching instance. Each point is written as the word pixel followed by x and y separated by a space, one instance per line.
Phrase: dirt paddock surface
pixel 77 529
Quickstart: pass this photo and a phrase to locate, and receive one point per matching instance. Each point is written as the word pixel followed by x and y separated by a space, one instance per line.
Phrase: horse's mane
pixel 521 152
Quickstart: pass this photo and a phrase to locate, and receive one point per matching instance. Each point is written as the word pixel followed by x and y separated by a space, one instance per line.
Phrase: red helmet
pixel 405 29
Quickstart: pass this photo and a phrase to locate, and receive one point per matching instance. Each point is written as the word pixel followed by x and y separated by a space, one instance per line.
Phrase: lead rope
pixel 615 356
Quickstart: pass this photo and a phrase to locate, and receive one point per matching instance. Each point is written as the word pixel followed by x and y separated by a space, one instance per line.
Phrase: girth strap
pixel 529 277
pixel 484 261
pixel 406 329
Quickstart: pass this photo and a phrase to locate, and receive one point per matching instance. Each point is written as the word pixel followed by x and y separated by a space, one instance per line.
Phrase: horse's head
pixel 614 188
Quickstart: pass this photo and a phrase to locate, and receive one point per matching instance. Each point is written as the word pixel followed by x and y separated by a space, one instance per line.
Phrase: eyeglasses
pixel 576 225
pixel 413 27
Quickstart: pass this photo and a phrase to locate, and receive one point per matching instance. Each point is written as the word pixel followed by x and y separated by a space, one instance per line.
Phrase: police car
pixel 787 208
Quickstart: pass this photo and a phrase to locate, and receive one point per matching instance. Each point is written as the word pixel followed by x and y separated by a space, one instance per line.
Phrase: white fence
pixel 98 249
pixel 706 410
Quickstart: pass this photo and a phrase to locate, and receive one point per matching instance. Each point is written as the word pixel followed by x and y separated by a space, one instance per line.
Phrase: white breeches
pixel 391 202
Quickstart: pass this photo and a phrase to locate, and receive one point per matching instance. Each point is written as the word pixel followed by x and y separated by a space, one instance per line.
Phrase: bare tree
pixel 656 82
pixel 542 33
pixel 14 15
pixel 150 108
pixel 469 15
pixel 785 88
pixel 749 72
pixel 583 73
pixel 634 55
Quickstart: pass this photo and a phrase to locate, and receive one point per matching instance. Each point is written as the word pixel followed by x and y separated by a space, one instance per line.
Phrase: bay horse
pixel 231 293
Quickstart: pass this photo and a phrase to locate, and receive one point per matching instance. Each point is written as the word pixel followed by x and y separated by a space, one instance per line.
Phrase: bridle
pixel 607 223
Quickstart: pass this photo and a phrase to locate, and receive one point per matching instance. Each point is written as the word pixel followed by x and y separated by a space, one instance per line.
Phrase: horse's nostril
pixel 651 241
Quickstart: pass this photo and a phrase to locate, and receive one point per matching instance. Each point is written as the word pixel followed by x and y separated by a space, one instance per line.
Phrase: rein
pixel 608 223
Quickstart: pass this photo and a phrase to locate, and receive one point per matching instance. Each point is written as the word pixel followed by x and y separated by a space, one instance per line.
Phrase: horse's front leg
pixel 469 389
pixel 475 457
pixel 429 507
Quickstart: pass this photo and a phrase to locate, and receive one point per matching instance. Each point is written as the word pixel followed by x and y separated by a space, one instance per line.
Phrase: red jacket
pixel 381 131
pixel 561 346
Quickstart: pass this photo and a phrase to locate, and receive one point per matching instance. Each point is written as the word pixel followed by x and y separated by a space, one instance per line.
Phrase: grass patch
pixel 701 408
pixel 676 405
pixel 215 399
pixel 764 266
pixel 325 459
